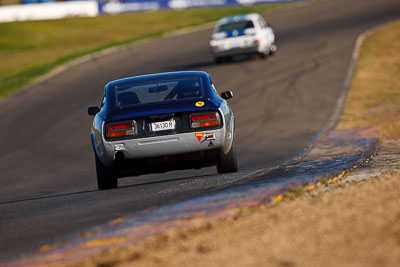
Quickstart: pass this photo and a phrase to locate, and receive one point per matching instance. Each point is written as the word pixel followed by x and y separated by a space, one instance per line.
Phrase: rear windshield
pixel 157 91
pixel 239 25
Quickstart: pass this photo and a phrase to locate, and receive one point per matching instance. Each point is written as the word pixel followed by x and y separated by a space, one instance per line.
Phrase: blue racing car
pixel 161 122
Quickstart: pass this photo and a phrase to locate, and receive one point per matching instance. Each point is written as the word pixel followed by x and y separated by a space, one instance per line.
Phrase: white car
pixel 242 34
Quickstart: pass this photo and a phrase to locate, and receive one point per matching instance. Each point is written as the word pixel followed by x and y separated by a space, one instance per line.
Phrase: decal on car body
pixel 119 147
pixel 199 136
pixel 199 104
pixel 209 137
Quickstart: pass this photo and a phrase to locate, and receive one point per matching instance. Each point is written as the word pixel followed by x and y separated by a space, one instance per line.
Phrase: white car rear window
pixel 236 26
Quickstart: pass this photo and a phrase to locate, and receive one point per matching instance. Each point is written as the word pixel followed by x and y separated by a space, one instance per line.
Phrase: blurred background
pixel 19 2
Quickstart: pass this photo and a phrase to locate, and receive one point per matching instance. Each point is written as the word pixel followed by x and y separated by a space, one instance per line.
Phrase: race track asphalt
pixel 48 184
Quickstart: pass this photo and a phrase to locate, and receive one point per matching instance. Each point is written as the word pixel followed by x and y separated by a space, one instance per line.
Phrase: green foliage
pixel 30 49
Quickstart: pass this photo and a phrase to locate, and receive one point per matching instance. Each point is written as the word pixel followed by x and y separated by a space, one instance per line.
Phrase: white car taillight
pixel 214 47
pixel 120 129
pixel 204 120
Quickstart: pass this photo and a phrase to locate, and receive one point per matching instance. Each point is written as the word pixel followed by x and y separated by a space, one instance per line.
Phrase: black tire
pixel 228 163
pixel 106 178
pixel 264 54
pixel 273 49
pixel 218 60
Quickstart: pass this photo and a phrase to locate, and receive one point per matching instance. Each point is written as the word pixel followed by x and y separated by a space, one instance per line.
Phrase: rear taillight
pixel 214 47
pixel 120 129
pixel 203 120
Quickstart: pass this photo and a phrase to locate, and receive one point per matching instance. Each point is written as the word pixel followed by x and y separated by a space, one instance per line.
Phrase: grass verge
pixel 29 50
pixel 374 97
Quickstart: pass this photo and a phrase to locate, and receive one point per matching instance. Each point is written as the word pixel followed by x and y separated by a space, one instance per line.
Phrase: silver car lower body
pixel 161 146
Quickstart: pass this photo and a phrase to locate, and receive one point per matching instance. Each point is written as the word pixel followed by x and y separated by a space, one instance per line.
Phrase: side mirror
pixel 227 95
pixel 93 111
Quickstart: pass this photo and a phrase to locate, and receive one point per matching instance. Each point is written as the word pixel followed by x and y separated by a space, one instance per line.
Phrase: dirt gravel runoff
pixel 352 225
pixel 354 222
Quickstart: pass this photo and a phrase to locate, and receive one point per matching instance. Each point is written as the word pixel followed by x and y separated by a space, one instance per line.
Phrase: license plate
pixel 163 125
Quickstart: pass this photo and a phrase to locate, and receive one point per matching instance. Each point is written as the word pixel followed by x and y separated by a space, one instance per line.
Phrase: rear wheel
pixel 228 162
pixel 273 49
pixel 268 51
pixel 218 60
pixel 264 54
pixel 106 177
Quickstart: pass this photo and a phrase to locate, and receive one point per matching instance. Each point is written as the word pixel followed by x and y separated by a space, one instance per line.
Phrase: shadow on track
pixel 95 190
pixel 47 197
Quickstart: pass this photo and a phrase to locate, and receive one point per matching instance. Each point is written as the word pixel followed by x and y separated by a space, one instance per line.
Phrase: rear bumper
pixel 235 51
pixel 162 146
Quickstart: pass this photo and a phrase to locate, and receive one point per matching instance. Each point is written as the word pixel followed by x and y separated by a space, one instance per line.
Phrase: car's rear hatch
pixel 149 120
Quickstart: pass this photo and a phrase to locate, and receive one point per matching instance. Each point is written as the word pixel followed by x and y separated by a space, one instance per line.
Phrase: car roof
pixel 159 76
pixel 241 17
